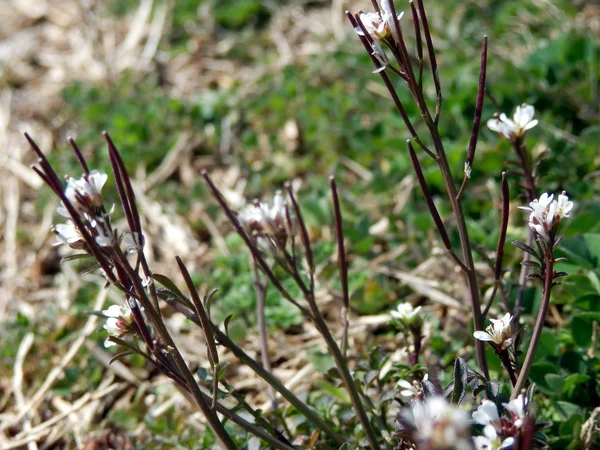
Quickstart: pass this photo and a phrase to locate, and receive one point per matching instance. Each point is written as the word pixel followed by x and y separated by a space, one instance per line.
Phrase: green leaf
pixel 333 390
pixel 566 409
pixel 321 361
pixel 461 372
pixel 547 345
pixel 526 248
pixel 582 326
pixel 588 302
pixel 573 381
pixel 166 282
pixel 555 381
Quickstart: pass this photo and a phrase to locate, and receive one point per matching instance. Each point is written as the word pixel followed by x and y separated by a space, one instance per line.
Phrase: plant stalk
pixel 539 323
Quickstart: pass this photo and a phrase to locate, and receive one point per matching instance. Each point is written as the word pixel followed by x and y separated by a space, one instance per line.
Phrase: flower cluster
pixel 270 226
pixel 546 214
pixel 84 195
pixel 499 432
pixel 512 129
pixel 498 333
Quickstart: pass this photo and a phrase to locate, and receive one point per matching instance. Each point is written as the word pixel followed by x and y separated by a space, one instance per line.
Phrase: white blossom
pixel 378 25
pixel 272 220
pixel 546 213
pixel 521 122
pixel 118 320
pixel 498 332
pixel 407 390
pixel 406 313
pixel 517 409
pixel 84 192
pixel 68 233
pixel 487 415
pixel 439 424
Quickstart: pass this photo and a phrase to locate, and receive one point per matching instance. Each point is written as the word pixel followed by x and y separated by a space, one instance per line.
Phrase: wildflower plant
pixel 428 414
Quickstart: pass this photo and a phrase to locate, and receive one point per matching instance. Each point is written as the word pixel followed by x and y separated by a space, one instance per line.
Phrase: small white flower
pixel 406 313
pixel 439 424
pixel 498 332
pixel 132 244
pixel 564 206
pixel 68 233
pixel 487 443
pixel 517 409
pixel 272 221
pixel 546 213
pixel 407 390
pixel 515 128
pixel 85 192
pixel 486 414
pixel 378 25
pixel 117 322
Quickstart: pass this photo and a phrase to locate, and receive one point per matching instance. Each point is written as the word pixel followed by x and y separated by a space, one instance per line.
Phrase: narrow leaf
pixel 526 248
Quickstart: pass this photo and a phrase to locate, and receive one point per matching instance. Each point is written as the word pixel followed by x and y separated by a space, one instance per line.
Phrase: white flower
pixel 516 408
pixel 68 233
pixel 487 415
pixel 488 443
pixel 407 390
pixel 564 206
pixel 84 192
pixel 117 322
pixel 515 128
pixel 439 424
pixel 406 313
pixel 546 213
pixel 498 332
pixel 272 221
pixel 378 25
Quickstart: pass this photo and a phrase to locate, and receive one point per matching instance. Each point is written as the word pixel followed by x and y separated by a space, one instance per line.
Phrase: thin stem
pixel 432 60
pixel 356 22
pixel 201 311
pixel 504 357
pixel 261 291
pixel 539 323
pixel 255 252
pixel 278 386
pixel 249 427
pixel 477 117
pixel 339 359
pixel 223 437
pixel 463 233
pixel 79 156
pixel 303 235
pixel 501 241
pixel 437 220
pixel 342 266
